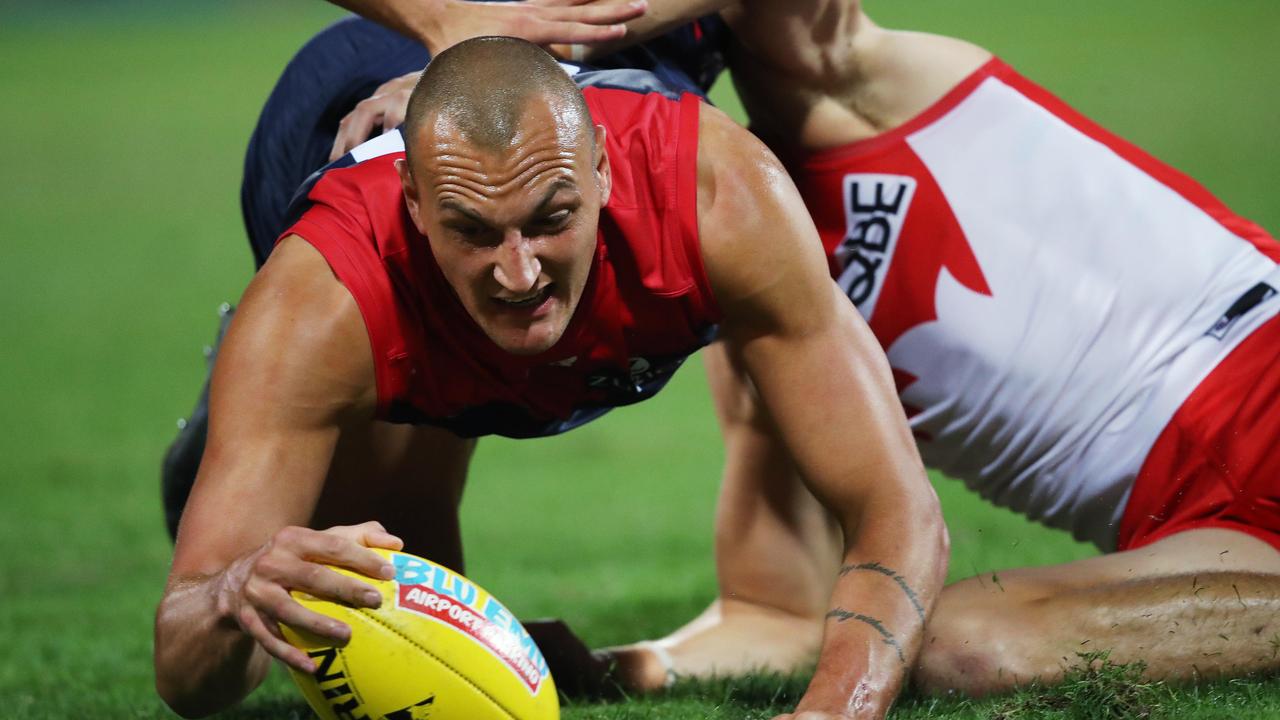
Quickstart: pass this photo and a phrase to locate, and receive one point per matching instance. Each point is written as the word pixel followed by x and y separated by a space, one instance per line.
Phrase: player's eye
pixel 549 224
pixel 471 233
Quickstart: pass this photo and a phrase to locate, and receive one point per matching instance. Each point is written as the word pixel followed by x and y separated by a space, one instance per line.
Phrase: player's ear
pixel 411 196
pixel 601 162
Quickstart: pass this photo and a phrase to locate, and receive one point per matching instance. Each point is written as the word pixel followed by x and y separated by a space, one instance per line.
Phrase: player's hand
pixel 543 22
pixel 562 23
pixel 385 108
pixel 255 589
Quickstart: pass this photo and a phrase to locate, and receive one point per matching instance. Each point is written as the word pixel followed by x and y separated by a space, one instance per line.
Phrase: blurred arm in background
pixel 441 23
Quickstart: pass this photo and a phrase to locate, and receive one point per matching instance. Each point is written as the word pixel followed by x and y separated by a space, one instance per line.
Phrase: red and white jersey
pixel 1047 294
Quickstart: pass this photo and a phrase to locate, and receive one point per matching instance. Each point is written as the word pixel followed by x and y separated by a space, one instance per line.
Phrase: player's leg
pixel 408 478
pixel 777 553
pixel 1200 603
pixel 339 67
pixel 1196 591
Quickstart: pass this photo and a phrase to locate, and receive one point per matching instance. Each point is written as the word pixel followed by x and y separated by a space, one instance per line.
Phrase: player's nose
pixel 517 266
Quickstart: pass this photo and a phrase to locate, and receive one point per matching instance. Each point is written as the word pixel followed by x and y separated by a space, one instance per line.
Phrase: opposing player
pixel 1076 330
pixel 528 257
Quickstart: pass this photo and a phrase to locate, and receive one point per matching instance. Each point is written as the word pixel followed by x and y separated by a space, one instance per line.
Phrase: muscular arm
pixel 437 24
pixel 824 380
pixel 296 368
pixel 659 17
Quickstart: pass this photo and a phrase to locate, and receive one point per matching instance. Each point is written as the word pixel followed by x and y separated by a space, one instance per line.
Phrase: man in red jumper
pixel 529 256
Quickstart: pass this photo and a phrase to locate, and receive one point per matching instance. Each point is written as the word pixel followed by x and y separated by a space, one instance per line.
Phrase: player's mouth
pixel 531 302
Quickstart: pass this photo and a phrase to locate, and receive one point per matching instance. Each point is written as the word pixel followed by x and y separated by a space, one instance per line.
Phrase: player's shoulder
pixel 296 316
pixel 751 219
pixel 733 164
pixel 364 176
pixel 638 109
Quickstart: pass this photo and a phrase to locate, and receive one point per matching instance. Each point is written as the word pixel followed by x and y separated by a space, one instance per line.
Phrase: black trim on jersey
pixel 300 203
pixel 617 388
pixel 1251 298
pixel 636 81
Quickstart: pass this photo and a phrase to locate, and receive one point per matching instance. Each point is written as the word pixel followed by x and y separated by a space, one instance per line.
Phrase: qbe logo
pixel 875 208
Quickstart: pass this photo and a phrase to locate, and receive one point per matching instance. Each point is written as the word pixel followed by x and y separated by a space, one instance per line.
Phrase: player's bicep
pixel 294 369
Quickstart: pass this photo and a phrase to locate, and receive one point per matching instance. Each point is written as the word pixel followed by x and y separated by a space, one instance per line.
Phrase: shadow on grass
pixel 270 709
pixel 1093 689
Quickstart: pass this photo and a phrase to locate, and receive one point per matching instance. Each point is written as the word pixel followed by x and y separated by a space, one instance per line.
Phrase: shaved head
pixel 482 88
pixel 505 176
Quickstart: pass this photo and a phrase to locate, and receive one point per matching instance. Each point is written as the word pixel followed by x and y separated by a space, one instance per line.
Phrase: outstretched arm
pixel 295 369
pixel 659 17
pixel 571 29
pixel 824 380
pixel 438 24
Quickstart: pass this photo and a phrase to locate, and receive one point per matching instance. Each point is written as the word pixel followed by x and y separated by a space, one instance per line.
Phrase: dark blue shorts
pixel 347 61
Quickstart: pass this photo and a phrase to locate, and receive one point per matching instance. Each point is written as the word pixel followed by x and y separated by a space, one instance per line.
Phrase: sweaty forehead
pixel 542 147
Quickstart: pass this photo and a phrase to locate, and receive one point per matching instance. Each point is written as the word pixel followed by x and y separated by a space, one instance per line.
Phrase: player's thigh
pixel 408 478
pixel 1020 613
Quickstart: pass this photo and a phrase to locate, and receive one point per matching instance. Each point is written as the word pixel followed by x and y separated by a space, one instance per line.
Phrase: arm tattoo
pixel 902 583
pixel 840 614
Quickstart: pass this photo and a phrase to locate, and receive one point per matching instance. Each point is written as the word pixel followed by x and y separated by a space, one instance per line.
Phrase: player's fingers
pixel 273 577
pixel 257 628
pixel 393 115
pixel 565 34
pixel 355 128
pixel 310 622
pixel 302 551
pixel 394 85
pixel 277 604
pixel 597 14
pixel 323 582
pixel 559 3
pixel 370 534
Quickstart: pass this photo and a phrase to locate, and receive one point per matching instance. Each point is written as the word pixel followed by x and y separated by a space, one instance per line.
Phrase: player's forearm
pixel 661 16
pixel 417 19
pixel 893 569
pixel 204 662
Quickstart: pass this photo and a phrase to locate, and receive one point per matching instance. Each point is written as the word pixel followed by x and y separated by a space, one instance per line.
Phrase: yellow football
pixel 439 647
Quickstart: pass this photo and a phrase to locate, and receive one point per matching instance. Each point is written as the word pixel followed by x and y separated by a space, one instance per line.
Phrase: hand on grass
pixel 255 589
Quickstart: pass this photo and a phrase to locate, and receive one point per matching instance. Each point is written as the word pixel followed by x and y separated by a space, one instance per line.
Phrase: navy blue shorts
pixel 347 61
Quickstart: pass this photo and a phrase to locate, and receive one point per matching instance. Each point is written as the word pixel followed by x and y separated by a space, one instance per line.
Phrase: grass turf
pixel 119 235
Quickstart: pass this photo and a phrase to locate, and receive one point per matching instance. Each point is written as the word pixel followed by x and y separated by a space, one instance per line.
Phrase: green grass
pixel 125 125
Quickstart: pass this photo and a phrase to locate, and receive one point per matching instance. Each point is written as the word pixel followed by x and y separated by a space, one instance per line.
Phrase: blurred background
pixel 124 124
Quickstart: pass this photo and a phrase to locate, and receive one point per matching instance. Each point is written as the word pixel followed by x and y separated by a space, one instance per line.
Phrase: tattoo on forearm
pixel 887 572
pixel 840 615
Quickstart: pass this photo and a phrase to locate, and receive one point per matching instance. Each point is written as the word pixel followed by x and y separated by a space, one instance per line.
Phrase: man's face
pixel 512 230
